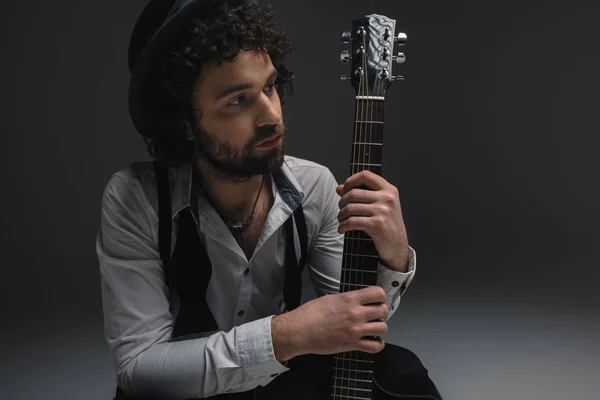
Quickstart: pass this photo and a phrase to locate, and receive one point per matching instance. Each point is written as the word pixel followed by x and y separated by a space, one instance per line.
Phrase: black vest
pixel 189 269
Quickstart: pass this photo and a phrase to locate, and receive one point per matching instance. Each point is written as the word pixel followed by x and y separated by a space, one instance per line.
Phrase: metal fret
pixel 364 164
pixel 368 122
pixel 360 255
pixel 352 359
pixel 355 370
pixel 355 355
pixel 368 143
pixel 354 379
pixel 360 270
pixel 355 285
pixel 359 389
pixel 343 397
pixel 370 98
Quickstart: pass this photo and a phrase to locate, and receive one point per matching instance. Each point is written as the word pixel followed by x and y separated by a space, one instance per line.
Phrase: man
pixel 205 93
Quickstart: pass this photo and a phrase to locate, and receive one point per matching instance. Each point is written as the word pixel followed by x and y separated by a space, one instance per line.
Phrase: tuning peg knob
pixel 345 56
pixel 344 77
pixel 401 38
pixel 346 37
pixel 397 78
pixel 400 58
pixel 387 33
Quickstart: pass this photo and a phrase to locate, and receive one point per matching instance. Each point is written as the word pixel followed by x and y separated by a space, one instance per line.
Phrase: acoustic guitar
pixel 358 375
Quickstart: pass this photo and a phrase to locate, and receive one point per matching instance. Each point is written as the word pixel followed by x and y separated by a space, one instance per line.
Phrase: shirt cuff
pixel 395 283
pixel 255 348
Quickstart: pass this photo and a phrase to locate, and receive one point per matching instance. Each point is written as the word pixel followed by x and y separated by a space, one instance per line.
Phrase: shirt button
pixel 395 284
pixel 246 271
pixel 241 313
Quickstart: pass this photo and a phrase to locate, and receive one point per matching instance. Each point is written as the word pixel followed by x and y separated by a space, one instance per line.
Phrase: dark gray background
pixel 492 142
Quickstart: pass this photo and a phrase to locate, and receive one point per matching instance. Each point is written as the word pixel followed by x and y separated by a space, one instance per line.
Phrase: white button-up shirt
pixel 139 309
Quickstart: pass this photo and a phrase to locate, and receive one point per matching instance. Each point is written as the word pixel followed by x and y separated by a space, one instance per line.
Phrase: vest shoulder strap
pixel 164 212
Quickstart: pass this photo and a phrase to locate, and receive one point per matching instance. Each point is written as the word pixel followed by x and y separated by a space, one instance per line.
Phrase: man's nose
pixel 269 113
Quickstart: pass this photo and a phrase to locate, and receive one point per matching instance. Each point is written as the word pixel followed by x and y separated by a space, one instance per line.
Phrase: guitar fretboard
pixel 353 371
pixel 367 144
pixel 352 376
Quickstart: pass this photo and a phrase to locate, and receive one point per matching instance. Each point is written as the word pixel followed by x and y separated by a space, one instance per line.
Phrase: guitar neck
pixel 352 376
pixel 359 262
pixel 367 145
pixel 353 371
pixel 371 59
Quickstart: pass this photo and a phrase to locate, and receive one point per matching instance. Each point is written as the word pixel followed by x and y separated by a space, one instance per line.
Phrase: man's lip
pixel 269 140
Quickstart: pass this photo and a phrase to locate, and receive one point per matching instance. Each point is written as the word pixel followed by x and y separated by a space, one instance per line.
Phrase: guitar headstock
pixel 372 56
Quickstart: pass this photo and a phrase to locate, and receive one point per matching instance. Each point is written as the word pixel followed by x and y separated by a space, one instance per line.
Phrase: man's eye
pixel 242 98
pixel 237 101
pixel 270 87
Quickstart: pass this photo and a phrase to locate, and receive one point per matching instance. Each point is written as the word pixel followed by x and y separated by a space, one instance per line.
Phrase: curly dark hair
pixel 218 36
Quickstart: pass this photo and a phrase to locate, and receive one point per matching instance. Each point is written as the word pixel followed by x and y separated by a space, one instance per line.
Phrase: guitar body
pixel 398 374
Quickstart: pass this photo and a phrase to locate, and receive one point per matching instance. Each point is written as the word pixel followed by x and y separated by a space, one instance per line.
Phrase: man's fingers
pixel 377 328
pixel 371 346
pixel 376 312
pixel 371 294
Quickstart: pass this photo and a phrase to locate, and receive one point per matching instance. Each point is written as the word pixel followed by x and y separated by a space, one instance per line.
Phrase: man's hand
pixel 331 324
pixel 377 212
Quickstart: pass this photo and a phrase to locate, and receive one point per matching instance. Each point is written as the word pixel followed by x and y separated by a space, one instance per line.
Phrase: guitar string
pixel 370 144
pixel 360 166
pixel 365 156
pixel 346 356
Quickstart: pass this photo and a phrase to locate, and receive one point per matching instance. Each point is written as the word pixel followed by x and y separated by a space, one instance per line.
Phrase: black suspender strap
pixel 189 270
pixel 292 287
pixel 164 213
pixel 302 234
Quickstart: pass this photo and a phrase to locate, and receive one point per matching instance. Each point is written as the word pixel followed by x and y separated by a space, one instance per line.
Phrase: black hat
pixel 152 35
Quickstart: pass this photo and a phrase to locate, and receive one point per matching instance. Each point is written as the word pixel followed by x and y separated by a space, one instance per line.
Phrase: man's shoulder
pixel 135 177
pixel 316 181
pixel 136 182
pixel 306 171
pixel 137 170
pixel 301 163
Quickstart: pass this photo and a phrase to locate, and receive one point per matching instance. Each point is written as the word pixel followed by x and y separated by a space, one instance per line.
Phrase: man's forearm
pixel 285 343
pixel 203 367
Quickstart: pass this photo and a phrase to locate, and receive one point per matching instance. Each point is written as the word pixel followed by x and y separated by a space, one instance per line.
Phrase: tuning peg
pixel 344 77
pixel 346 37
pixel 400 58
pixel 345 56
pixel 387 33
pixel 401 38
pixel 397 78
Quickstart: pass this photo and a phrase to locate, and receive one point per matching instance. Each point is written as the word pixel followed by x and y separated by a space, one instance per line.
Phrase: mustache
pixel 267 131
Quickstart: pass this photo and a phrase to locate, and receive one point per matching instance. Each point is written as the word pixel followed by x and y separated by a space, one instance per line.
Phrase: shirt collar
pixel 184 194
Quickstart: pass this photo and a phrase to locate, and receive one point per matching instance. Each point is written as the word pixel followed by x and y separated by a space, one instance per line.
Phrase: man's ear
pixel 188 133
